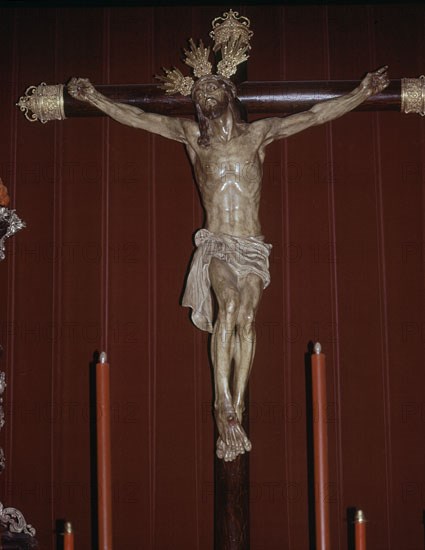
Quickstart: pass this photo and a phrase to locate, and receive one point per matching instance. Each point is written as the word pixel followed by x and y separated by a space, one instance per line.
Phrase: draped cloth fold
pixel 243 255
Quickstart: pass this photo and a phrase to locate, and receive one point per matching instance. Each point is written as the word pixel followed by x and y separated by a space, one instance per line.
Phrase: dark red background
pixel 110 212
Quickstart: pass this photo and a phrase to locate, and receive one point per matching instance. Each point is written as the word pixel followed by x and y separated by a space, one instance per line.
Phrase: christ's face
pixel 212 98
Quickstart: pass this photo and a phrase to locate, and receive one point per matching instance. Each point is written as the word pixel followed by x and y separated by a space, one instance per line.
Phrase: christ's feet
pixel 233 440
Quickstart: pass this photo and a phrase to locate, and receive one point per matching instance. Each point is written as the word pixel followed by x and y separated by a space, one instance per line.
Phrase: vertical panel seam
pixel 56 271
pixel 333 272
pixel 383 290
pixel 104 275
pixel 152 317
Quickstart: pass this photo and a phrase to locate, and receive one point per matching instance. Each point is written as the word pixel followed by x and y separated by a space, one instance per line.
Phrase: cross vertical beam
pixel 231 504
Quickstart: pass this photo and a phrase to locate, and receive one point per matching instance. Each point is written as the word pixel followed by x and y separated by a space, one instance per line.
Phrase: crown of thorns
pixel 231 35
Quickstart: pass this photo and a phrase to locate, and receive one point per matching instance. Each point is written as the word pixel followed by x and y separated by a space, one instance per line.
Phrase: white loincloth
pixel 243 255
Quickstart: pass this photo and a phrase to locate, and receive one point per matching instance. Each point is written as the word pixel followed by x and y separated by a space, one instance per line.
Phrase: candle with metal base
pixel 68 537
pixel 321 475
pixel 360 532
pixel 104 490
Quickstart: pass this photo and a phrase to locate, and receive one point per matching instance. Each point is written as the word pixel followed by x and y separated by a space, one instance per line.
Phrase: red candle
pixel 104 491
pixel 360 521
pixel 321 476
pixel 68 537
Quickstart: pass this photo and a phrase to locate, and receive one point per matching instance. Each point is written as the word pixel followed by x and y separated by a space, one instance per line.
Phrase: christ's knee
pixel 229 309
pixel 246 324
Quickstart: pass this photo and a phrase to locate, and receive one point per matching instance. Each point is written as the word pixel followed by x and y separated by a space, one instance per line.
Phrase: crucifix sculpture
pixel 231 259
pixel 227 155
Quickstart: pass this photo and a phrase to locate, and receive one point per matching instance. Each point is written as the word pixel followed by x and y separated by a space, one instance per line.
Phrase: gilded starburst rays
pixel 231 35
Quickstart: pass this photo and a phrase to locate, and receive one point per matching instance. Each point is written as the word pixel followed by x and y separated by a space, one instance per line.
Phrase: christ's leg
pixel 251 288
pixel 233 440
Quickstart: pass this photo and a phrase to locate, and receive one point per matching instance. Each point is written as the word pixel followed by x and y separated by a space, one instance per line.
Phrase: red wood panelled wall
pixel 110 212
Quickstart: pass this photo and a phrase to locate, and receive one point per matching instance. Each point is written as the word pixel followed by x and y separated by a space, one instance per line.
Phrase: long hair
pixel 203 121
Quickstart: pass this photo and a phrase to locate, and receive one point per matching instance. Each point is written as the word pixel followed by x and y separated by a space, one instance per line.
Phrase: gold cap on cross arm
pixel 413 95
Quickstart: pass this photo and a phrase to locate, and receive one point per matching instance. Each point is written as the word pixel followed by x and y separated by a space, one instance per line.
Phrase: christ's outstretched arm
pixel 170 127
pixel 278 128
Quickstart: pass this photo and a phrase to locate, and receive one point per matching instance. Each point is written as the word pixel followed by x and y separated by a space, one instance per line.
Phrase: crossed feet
pixel 233 440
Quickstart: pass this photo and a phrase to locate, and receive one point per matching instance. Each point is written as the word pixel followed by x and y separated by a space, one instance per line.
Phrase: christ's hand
pixel 81 88
pixel 376 82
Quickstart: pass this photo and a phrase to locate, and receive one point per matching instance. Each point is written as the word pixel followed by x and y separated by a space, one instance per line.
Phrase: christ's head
pixel 213 96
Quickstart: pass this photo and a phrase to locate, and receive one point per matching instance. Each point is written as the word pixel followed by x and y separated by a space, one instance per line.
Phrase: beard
pixel 214 109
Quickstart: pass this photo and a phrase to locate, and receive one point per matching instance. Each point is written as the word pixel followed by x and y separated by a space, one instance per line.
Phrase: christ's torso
pixel 229 177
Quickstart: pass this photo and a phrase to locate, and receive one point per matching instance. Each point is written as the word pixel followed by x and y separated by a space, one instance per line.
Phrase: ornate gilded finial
pixel 231 35
pixel 413 95
pixel 43 102
pixel 231 26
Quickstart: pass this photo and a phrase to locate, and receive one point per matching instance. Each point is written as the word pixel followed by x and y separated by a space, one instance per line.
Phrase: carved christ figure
pixel 231 259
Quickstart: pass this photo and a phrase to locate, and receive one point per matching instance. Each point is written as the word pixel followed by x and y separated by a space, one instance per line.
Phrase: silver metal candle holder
pixel 10 517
